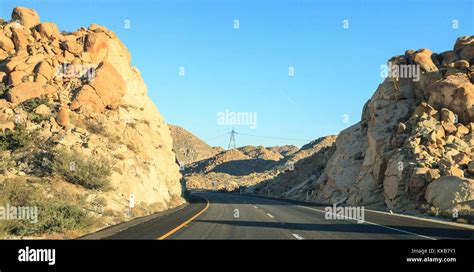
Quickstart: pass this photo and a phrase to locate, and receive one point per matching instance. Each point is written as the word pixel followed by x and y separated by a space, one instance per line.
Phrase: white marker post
pixel 132 203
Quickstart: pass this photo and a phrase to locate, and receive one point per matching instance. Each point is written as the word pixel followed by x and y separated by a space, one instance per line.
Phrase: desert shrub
pixel 3 89
pixel 96 127
pixel 57 213
pixel 31 104
pixel 38 118
pixel 18 139
pixel 89 172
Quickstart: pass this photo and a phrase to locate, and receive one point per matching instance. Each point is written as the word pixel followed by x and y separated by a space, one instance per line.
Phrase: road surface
pixel 215 215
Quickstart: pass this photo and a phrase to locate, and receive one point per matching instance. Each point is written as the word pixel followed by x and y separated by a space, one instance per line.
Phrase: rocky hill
pixel 252 168
pixel 413 149
pixel 189 148
pixel 74 110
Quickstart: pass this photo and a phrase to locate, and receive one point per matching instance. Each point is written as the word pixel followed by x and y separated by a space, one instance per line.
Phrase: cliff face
pixel 87 99
pixel 413 134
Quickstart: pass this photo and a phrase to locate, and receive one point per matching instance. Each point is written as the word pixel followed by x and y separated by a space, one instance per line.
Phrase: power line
pixel 276 138
pixel 233 133
pixel 213 138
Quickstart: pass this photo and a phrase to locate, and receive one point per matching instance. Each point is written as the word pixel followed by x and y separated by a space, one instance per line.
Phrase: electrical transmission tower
pixel 232 139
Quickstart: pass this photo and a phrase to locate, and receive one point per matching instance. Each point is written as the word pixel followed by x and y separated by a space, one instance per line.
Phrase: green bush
pixel 91 173
pixel 3 89
pixel 18 139
pixel 31 104
pixel 38 118
pixel 57 213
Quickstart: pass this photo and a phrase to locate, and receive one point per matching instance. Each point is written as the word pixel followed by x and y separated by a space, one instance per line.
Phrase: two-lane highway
pixel 230 216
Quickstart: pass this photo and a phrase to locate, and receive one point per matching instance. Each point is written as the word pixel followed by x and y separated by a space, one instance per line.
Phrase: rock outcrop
pixel 92 101
pixel 414 143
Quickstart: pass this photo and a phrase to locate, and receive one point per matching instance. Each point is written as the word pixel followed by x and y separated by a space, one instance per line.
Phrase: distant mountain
pixel 188 147
pixel 284 150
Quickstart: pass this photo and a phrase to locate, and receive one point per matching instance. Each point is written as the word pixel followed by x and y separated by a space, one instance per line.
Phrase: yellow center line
pixel 185 223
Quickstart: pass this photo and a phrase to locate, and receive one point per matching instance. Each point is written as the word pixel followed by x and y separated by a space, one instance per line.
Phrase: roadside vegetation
pixel 57 210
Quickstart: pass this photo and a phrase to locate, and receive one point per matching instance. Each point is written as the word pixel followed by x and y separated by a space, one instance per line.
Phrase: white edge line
pixel 452 224
pixel 372 223
pixel 298 237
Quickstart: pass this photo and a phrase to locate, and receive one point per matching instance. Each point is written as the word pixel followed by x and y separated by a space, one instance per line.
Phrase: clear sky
pixel 244 66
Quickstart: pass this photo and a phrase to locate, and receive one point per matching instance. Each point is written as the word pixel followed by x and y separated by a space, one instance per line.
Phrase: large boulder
pixel 105 90
pixel 424 58
pixel 96 45
pixel 6 43
pixel 455 92
pixel 26 16
pixel 465 47
pixel 447 192
pixel 20 39
pixel 49 30
pixel 27 90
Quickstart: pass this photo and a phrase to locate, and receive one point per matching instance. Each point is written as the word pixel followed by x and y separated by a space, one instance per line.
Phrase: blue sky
pixel 336 70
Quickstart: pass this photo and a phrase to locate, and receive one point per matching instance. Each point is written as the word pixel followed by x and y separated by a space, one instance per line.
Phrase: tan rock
pixel 17 77
pixel 45 69
pixel 3 76
pixel 25 16
pixel 96 45
pixel 63 117
pixel 35 59
pixel 462 130
pixel 42 110
pixel 425 108
pixel 72 45
pixel 107 88
pixel 461 159
pixel 447 192
pixel 456 93
pixel 447 116
pixel 25 91
pixel 6 43
pixel 4 104
pixel 20 39
pixel 449 128
pixel 423 57
pixel 14 62
pixel 432 174
pixel 49 30
pixel 465 47
pixel 4 126
pixel 87 97
pixel 456 172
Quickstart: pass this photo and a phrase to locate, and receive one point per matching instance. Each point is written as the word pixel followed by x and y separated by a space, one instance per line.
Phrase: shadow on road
pixel 347 228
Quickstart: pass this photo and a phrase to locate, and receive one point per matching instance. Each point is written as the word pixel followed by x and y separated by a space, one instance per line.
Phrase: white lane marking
pixel 297 236
pixel 375 224
pixel 255 206
pixel 270 215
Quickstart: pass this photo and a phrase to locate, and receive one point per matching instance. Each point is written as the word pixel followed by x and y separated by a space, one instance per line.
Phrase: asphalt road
pixel 229 216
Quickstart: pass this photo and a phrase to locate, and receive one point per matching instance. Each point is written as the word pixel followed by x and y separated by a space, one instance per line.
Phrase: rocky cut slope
pixel 413 150
pixel 84 101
